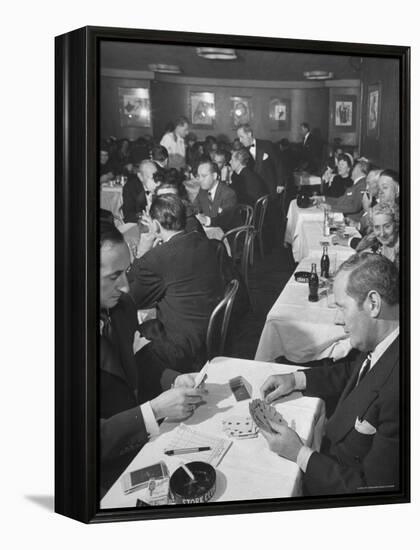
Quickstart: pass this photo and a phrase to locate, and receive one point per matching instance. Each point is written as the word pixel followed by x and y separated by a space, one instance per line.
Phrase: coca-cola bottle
pixel 313 285
pixel 325 263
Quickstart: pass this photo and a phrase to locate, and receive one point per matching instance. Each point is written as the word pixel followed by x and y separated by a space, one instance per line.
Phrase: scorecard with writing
pixel 184 437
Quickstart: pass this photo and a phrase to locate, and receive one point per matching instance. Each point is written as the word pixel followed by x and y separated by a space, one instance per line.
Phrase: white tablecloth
pixel 304 232
pixel 111 199
pixel 249 470
pixel 301 330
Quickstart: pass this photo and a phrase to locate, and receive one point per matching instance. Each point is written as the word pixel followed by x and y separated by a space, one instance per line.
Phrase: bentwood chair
pixel 260 210
pixel 240 240
pixel 246 213
pixel 219 322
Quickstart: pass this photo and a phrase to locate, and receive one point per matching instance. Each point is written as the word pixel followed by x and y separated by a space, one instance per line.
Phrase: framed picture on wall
pixel 345 113
pixel 202 109
pixel 279 114
pixel 240 111
pixel 133 400
pixel 373 110
pixel 134 107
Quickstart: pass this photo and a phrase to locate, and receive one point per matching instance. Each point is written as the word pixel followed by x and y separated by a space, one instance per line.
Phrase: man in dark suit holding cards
pixel 129 410
pixel 360 449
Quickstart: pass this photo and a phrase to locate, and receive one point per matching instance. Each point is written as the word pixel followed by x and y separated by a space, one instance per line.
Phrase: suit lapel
pixel 217 198
pixel 355 402
pixel 258 155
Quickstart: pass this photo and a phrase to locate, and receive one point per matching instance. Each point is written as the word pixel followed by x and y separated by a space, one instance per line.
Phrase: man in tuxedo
pixel 267 164
pixel 181 278
pixel 138 191
pixel 129 413
pixel 216 202
pixel 311 154
pixel 248 185
pixel 360 449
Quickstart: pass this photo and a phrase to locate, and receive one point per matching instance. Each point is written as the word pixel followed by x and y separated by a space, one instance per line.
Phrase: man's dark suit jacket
pixel 122 429
pixel 182 279
pixel 268 166
pixel 248 186
pixel 222 210
pixel 311 154
pixel 351 202
pixel 134 199
pixel 351 461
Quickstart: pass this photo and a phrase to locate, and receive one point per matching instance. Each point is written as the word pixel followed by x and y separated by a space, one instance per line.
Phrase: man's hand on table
pixel 186 380
pixel 339 239
pixel 177 403
pixel 277 385
pixel 285 442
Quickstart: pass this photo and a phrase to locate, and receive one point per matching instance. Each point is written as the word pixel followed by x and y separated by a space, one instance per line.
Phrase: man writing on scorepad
pixel 360 449
pixel 128 411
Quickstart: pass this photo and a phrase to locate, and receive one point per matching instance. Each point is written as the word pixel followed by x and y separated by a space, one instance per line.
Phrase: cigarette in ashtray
pixel 187 470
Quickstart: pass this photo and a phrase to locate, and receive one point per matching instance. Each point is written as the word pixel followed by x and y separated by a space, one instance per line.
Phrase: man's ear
pixel 373 303
pixel 156 227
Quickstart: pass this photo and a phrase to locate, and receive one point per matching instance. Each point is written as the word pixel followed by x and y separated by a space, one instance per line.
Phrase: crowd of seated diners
pixel 147 369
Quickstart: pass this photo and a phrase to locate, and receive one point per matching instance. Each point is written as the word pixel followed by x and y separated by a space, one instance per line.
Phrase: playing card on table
pixel 265 415
pixel 240 427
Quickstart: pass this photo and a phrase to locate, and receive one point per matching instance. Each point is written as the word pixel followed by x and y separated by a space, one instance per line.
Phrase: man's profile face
pixel 206 177
pixel 372 184
pixel 244 138
pixel 182 131
pixel 388 189
pixel 146 177
pixel 357 322
pixel 234 162
pixel 115 260
pixel 304 130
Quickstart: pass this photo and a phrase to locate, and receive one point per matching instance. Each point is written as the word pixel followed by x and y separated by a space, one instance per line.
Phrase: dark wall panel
pixel 385 150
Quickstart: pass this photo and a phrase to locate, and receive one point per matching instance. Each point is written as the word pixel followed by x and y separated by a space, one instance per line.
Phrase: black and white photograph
pixel 248 277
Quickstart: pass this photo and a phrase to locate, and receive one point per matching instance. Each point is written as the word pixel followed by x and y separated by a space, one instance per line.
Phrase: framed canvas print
pixel 345 112
pixel 134 107
pixel 202 109
pixel 373 110
pixel 222 345
pixel 279 113
pixel 240 111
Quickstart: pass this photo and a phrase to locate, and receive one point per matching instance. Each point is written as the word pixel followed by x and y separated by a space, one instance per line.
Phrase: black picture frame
pixel 345 113
pixel 76 310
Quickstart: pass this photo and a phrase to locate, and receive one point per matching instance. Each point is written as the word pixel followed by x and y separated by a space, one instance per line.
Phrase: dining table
pixel 305 231
pixel 248 469
pixel 300 330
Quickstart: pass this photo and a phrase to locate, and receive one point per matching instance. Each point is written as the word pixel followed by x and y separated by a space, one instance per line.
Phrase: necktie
pixel 210 197
pixel 106 327
pixel 364 369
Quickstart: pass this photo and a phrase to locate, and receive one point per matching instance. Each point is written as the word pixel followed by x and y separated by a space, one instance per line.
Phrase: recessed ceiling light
pixel 318 75
pixel 163 68
pixel 225 54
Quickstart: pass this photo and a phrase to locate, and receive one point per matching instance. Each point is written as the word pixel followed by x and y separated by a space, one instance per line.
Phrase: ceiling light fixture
pixel 225 54
pixel 163 68
pixel 318 75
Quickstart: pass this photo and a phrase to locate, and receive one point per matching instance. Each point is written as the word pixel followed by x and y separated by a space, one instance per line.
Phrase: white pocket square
pixel 364 427
pixel 265 156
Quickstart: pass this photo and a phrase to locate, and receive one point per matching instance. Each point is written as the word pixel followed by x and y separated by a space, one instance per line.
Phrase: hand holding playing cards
pixel 285 442
pixel 277 385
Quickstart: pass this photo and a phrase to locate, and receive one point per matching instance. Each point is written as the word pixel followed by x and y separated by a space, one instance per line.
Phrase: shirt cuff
pixel 300 380
pixel 152 427
pixel 208 221
pixel 303 457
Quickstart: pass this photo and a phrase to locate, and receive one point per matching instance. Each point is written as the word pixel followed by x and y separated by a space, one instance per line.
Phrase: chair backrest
pixel 241 246
pixel 246 213
pixel 224 307
pixel 260 209
pixel 237 239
